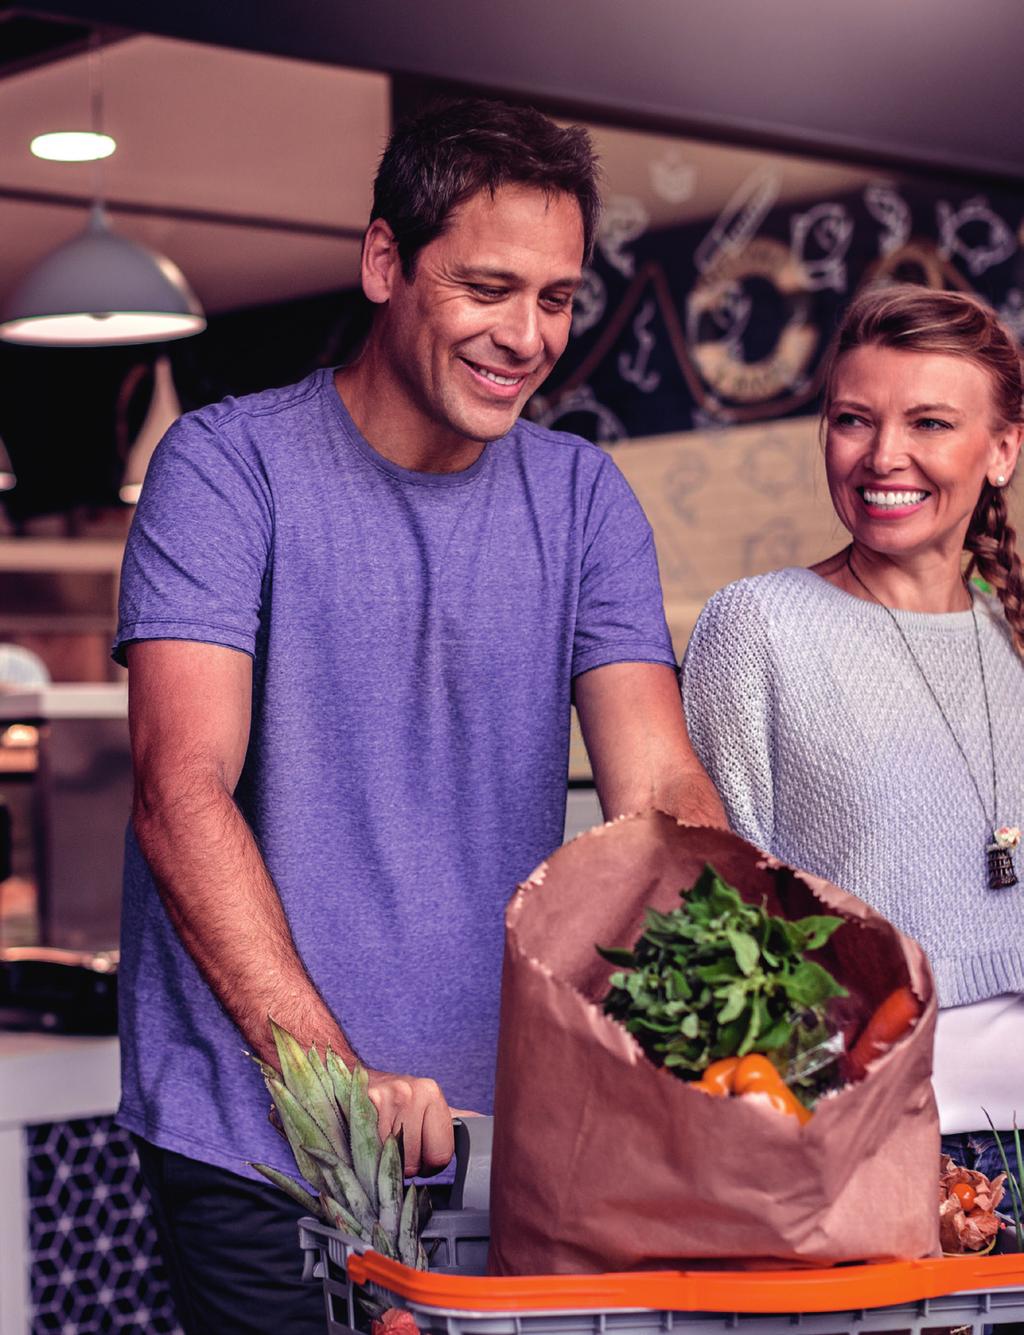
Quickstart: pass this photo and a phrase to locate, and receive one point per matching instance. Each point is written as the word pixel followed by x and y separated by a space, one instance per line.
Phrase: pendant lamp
pixel 99 288
pixel 164 409
pixel 7 478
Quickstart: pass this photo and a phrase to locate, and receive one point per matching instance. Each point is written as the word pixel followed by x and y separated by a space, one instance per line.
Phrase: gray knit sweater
pixel 830 753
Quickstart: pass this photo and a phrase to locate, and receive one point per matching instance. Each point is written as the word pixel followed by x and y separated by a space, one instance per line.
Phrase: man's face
pixel 486 314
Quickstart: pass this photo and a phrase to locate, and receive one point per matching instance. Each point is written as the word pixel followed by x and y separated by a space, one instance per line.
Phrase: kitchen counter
pixel 76 1242
pixel 44 1078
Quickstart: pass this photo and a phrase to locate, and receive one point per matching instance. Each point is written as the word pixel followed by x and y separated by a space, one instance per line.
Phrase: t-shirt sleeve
pixel 620 617
pixel 728 695
pixel 197 552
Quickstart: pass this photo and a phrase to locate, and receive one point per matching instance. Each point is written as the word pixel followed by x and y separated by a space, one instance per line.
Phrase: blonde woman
pixel 864 718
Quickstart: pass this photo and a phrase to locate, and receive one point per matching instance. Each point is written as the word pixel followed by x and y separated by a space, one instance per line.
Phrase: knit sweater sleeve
pixel 728 693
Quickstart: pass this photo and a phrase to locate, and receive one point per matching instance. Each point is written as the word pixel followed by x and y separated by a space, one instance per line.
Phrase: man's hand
pixel 419 1109
pixel 631 715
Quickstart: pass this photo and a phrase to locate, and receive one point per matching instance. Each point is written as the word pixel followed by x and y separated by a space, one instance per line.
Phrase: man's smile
pixel 506 384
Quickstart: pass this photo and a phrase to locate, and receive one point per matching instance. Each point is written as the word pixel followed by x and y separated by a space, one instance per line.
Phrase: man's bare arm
pixel 189 714
pixel 631 715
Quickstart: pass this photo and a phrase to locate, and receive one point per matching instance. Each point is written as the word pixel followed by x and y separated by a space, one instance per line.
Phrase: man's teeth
pixel 493 375
pixel 893 500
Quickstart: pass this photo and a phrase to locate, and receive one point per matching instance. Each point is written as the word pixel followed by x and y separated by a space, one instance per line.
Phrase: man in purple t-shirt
pixel 355 613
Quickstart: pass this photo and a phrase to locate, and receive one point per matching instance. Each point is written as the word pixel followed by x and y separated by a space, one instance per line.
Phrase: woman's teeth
pixel 893 500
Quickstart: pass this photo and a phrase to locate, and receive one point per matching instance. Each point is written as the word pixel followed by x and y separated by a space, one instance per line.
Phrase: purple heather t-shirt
pixel 414 637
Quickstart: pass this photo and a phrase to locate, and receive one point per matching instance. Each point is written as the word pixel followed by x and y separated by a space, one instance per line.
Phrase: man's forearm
pixel 226 909
pixel 640 752
pixel 693 799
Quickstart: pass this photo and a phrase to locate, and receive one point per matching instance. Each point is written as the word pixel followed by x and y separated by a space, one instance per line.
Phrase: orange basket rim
pixel 836 1289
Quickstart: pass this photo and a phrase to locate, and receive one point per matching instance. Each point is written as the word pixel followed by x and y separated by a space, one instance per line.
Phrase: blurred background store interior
pixel 761 163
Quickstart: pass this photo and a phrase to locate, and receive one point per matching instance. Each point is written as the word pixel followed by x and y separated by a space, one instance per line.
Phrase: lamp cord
pixel 96 109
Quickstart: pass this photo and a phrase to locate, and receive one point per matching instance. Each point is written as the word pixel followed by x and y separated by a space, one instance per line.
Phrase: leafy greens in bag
pixel 718 977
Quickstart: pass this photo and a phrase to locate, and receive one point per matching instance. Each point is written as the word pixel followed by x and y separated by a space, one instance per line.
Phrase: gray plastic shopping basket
pixel 966 1294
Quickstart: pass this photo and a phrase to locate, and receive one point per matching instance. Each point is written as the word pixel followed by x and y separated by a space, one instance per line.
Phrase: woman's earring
pixel 1000 481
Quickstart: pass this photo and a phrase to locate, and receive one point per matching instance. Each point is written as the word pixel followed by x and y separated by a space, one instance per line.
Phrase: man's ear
pixel 380 262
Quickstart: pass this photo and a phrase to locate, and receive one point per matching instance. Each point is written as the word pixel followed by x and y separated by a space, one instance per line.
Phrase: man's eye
pixel 487 293
pixel 557 301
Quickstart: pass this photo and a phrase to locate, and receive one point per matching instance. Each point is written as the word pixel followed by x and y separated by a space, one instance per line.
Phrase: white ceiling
pixel 242 135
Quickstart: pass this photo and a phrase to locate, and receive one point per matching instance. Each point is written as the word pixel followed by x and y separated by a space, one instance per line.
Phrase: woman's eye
pixel 846 419
pixel 932 424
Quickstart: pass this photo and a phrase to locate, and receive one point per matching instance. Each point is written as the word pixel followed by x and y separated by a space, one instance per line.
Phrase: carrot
pixel 898 1012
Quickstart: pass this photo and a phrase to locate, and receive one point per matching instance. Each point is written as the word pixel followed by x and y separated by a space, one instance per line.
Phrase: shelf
pixel 102 555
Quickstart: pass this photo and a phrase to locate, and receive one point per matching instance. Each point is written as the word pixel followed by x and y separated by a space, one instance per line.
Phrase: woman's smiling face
pixel 912 438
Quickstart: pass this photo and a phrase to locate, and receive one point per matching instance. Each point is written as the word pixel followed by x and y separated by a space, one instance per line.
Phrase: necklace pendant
pixel 1001 871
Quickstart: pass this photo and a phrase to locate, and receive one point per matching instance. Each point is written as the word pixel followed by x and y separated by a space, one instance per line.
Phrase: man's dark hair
pixel 441 157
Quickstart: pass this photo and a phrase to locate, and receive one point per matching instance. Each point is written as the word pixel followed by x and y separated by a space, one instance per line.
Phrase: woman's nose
pixel 887 451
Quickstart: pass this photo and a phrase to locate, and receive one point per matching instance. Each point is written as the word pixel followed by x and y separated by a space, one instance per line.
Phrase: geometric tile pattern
pixel 95 1261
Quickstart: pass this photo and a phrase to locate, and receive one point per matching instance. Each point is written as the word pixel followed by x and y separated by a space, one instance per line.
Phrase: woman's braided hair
pixel 921 319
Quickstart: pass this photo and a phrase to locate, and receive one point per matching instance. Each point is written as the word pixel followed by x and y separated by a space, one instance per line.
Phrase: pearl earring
pixel 1000 481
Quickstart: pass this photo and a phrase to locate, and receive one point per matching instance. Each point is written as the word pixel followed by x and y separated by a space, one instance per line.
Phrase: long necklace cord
pixel 1000 863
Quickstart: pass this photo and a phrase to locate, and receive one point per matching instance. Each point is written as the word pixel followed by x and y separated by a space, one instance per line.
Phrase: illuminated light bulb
pixel 72 146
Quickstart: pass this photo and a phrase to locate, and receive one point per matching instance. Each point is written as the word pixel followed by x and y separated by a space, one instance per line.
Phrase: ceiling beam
pixel 181 213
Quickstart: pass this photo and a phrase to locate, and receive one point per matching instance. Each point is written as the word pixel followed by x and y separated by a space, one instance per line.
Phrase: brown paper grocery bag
pixel 602 1161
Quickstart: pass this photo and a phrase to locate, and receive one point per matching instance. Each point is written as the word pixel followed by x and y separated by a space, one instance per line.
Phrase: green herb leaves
pixel 718 977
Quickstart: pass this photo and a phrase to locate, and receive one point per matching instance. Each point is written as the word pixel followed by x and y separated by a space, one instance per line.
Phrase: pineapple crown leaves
pixel 306 1079
pixel 719 977
pixel 330 1122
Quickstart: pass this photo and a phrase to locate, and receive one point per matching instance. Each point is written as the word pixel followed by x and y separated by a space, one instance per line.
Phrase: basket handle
pixel 474 1138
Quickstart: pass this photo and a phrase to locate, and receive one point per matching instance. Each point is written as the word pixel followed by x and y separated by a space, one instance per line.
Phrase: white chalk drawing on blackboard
pixel 819 240
pixel 672 177
pixel 624 220
pixel 887 206
pixel 712 415
pixel 721 306
pixel 998 244
pixel 1011 312
pixel 580 402
pixel 739 221
pixel 731 316
pixel 634 368
pixel 775 544
pixel 589 302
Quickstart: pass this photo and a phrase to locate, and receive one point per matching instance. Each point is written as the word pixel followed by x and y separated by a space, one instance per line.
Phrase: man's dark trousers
pixel 231 1248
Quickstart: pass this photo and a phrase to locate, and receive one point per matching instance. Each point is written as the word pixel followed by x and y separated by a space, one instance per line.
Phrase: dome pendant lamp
pixel 99 288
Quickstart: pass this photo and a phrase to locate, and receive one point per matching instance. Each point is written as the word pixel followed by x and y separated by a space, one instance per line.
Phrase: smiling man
pixel 355 613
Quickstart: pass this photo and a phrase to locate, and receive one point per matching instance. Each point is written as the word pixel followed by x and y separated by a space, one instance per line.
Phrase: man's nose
pixel 518 330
